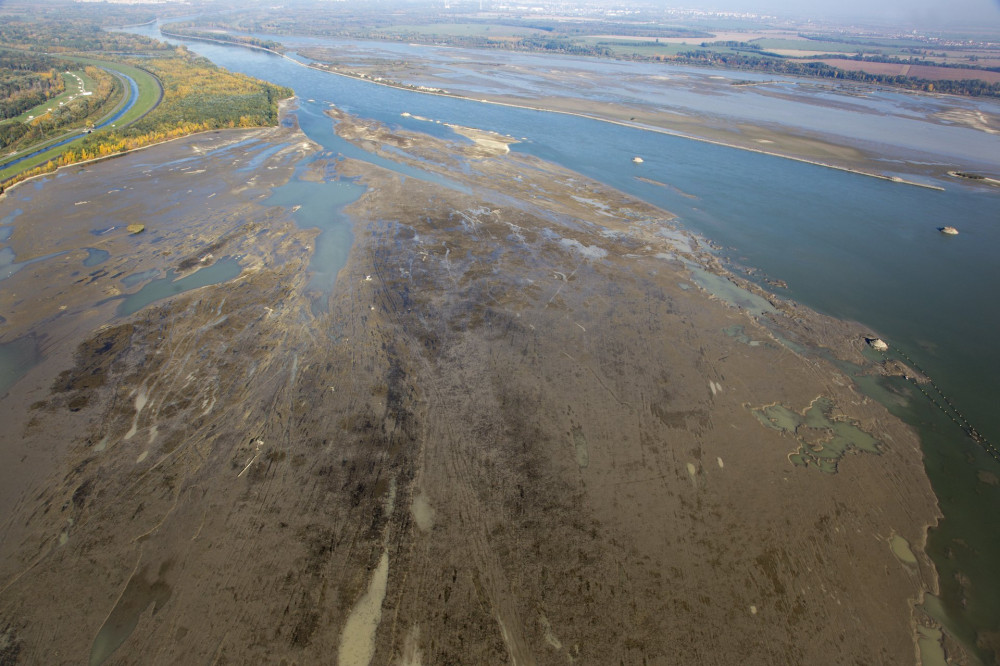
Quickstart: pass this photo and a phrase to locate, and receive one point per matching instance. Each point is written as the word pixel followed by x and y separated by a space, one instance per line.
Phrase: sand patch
pixel 423 512
pixel 412 654
pixel 492 143
pixel 931 650
pixel 357 642
pixel 140 402
pixel 901 549
pixel 693 473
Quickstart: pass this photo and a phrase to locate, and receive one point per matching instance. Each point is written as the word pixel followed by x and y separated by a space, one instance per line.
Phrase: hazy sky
pixel 981 13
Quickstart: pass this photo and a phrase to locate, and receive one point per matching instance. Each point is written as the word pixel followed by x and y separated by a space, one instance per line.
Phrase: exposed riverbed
pixel 518 427
pixel 505 336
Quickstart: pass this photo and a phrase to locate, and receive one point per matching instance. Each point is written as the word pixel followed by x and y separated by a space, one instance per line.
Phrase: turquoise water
pixel 96 256
pixel 8 265
pixel 221 271
pixel 850 246
pixel 321 206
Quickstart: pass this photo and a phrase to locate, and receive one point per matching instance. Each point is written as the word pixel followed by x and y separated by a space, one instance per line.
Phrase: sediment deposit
pixel 518 430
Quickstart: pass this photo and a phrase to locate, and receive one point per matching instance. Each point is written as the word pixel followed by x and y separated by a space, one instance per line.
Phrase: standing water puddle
pixel 95 257
pixel 8 266
pixel 321 205
pixel 221 271
pixel 16 358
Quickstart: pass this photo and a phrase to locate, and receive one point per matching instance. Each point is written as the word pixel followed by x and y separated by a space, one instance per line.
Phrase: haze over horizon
pixel 924 13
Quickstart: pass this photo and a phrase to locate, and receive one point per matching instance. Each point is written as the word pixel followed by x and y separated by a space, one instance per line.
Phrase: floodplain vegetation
pixel 197 96
pixel 956 64
pixel 57 96
pixel 26 82
pixel 62 74
pixel 216 33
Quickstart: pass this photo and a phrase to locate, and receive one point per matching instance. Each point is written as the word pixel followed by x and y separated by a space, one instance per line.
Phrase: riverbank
pixel 785 144
pixel 553 108
pixel 822 145
pixel 283 106
pixel 511 430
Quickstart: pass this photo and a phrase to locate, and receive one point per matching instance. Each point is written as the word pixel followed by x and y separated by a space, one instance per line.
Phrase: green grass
pixel 149 95
pixel 646 49
pixel 149 87
pixel 72 88
pixel 807 45
pixel 33 162
pixel 649 47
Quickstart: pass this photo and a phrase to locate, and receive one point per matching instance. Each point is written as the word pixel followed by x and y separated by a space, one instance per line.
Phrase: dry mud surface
pixel 517 432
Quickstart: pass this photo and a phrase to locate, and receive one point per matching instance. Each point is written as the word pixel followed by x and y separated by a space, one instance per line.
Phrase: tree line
pixel 972 87
pixel 197 96
pixel 76 113
pixel 191 29
pixel 27 80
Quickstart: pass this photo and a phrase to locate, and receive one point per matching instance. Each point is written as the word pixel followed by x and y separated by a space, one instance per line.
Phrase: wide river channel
pixel 850 246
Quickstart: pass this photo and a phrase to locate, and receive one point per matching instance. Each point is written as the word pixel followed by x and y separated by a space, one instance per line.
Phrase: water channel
pixel 130 101
pixel 850 246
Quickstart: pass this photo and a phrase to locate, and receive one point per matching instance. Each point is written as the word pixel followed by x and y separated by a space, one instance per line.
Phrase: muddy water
pixel 87 264
pixel 357 644
pixel 138 595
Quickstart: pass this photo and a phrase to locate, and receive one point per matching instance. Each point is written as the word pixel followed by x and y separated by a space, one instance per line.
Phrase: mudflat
pixel 674 100
pixel 533 422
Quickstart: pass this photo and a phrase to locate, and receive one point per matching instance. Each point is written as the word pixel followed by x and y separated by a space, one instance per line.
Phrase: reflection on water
pixel 319 127
pixel 138 278
pixel 138 595
pixel 8 266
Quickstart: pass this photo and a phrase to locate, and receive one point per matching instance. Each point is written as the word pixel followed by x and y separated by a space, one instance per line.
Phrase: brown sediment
pixel 827 151
pixel 515 396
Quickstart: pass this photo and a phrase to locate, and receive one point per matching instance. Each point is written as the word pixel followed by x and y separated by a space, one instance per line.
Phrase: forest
pixel 70 35
pixel 193 30
pixel 27 81
pixel 791 67
pixel 180 93
pixel 83 110
pixel 197 96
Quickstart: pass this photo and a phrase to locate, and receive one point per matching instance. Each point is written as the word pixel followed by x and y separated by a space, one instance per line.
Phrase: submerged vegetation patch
pixel 823 438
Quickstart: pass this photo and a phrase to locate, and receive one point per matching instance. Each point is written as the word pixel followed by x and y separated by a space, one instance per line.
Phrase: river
pixel 847 245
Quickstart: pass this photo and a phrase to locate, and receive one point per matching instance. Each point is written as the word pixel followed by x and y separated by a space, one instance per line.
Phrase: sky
pixel 977 13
